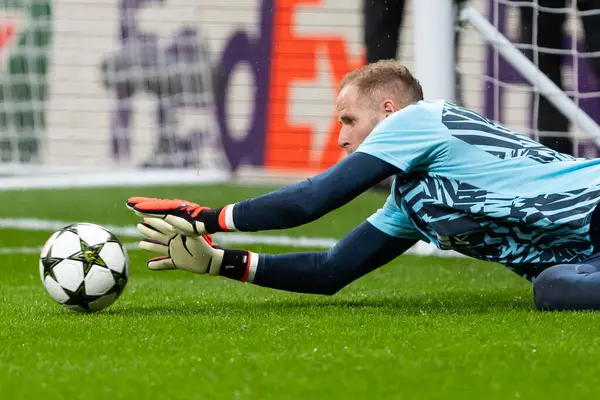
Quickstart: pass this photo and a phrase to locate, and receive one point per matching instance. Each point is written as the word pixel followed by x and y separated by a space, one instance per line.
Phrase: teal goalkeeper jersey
pixel 471 185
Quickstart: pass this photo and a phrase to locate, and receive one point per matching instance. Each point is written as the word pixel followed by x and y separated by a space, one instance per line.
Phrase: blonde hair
pixel 385 76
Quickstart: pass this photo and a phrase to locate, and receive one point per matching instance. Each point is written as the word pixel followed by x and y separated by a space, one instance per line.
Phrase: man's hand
pixel 195 254
pixel 183 215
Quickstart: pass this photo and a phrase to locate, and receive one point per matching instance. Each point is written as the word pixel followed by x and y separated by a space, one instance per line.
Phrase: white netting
pixel 25 32
pixel 551 33
pixel 99 84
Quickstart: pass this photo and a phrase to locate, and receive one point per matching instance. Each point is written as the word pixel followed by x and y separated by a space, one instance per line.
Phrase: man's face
pixel 358 117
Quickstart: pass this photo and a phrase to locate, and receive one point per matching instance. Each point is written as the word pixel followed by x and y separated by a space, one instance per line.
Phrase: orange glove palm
pixel 183 215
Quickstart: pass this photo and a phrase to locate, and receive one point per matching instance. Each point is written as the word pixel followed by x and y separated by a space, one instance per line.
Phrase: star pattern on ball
pixel 79 298
pixel 49 263
pixel 89 255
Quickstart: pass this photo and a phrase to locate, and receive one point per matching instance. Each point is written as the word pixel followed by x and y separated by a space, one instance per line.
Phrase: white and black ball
pixel 84 267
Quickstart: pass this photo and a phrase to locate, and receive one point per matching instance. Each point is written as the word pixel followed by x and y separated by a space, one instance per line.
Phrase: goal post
pixel 434 49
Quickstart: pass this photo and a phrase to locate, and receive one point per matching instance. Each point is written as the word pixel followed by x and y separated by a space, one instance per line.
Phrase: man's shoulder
pixel 429 108
pixel 423 115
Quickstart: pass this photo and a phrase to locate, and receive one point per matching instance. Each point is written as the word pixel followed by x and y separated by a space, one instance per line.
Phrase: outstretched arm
pixel 288 207
pixel 306 201
pixel 363 250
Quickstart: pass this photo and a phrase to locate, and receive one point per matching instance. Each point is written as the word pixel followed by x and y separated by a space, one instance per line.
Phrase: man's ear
pixel 388 107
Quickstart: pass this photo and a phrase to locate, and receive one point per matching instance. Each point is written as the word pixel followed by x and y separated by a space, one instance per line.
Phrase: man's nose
pixel 343 143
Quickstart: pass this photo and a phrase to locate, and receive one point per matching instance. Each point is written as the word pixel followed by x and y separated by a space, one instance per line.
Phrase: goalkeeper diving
pixel 461 182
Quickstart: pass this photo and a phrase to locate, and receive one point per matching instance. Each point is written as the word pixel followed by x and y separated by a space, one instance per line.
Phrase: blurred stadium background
pixel 221 86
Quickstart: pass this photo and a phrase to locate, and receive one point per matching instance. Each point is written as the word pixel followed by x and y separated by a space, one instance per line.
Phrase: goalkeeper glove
pixel 196 254
pixel 187 218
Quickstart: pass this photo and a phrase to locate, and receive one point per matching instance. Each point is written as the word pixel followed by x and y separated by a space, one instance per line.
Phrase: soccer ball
pixel 84 267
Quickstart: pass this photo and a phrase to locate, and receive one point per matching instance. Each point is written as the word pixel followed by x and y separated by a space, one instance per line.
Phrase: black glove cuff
pixel 210 218
pixel 235 264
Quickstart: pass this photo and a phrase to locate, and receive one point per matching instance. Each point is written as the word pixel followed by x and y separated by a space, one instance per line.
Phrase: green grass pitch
pixel 418 328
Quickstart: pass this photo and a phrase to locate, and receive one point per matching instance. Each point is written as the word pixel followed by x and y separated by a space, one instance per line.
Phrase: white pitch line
pixel 31 224
pixel 19 250
pixel 230 238
pixel 63 178
pixel 37 250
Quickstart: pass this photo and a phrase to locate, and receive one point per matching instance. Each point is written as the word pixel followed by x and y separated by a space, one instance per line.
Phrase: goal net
pixel 109 85
pixel 561 38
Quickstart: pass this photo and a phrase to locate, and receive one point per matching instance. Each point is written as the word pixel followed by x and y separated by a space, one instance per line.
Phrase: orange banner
pixel 289 145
